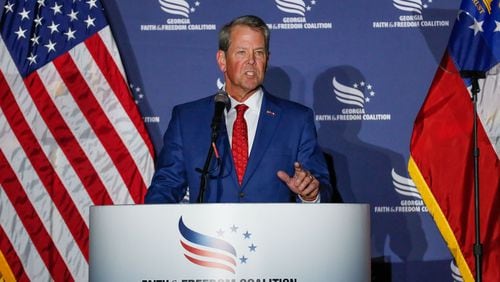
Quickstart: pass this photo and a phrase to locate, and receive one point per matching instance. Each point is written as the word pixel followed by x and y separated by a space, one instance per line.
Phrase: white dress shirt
pixel 254 104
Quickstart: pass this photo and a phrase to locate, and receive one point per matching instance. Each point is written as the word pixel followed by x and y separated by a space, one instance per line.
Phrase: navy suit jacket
pixel 285 133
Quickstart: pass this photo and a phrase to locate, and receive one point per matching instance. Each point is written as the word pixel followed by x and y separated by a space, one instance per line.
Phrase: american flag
pixel 442 163
pixel 70 136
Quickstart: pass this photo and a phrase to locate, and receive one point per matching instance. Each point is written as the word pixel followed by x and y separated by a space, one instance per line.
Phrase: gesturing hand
pixel 302 183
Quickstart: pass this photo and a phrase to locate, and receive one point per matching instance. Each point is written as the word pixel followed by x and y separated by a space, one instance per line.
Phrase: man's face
pixel 244 63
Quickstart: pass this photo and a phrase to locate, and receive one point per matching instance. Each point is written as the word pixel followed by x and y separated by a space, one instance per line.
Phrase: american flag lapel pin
pixel 270 113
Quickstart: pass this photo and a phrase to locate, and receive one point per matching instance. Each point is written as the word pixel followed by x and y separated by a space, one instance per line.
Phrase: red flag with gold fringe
pixel 442 161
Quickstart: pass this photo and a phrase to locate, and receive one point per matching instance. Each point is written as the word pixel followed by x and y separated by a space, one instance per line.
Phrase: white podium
pixel 230 242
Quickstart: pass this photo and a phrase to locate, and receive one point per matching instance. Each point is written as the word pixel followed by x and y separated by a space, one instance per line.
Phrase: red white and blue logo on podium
pixel 219 251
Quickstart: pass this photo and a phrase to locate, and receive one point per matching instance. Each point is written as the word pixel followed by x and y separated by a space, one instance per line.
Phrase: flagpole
pixel 474 76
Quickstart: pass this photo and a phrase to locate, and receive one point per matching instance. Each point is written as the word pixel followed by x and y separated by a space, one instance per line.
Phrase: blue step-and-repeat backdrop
pixel 364 66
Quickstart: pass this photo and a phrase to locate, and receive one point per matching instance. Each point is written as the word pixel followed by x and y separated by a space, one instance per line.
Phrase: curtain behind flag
pixel 70 136
pixel 441 162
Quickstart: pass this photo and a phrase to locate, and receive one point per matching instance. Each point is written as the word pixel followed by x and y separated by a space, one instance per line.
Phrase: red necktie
pixel 240 142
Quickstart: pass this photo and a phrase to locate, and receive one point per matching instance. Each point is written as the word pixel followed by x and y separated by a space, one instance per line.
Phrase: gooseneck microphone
pixel 221 102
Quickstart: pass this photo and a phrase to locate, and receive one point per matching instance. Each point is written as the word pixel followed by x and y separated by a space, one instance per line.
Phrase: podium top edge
pixel 232 204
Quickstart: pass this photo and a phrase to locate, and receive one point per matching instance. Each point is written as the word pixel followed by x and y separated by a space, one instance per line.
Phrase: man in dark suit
pixel 266 150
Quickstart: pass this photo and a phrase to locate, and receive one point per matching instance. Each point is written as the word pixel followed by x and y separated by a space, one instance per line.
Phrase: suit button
pixel 242 194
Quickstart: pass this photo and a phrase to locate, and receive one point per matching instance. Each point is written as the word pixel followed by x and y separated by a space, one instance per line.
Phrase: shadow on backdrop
pixel 363 175
pixel 278 83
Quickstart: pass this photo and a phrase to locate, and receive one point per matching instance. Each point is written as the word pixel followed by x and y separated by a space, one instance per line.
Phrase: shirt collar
pixel 253 102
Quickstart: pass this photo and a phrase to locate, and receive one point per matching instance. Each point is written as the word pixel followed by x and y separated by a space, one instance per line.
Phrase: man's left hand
pixel 302 183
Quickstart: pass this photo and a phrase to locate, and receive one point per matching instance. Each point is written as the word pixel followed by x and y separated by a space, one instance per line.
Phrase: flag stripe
pixel 44 169
pixel 24 261
pixel 45 208
pixel 11 221
pixel 488 101
pixel 210 264
pixel 67 142
pixel 109 63
pixel 100 124
pixel 208 254
pixel 108 79
pixel 93 148
pixel 38 234
pixel 112 48
pixel 10 255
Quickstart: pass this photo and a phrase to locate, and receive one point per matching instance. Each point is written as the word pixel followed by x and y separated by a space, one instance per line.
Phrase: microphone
pixel 221 102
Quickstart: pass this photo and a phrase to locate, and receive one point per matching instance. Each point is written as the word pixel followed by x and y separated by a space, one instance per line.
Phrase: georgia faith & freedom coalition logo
pixel 224 252
pixel 296 15
pixel 179 13
pixel 138 95
pixel 211 252
pixel 354 97
pixel 412 200
pixel 411 15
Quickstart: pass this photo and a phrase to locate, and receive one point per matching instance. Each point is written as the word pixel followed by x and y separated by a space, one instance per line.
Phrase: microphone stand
pixel 221 103
pixel 478 248
pixel 204 171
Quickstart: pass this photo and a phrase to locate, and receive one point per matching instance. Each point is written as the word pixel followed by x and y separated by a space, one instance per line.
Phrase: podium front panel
pixel 230 242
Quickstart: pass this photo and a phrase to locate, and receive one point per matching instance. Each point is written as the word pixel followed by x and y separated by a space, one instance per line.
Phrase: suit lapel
pixel 269 117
